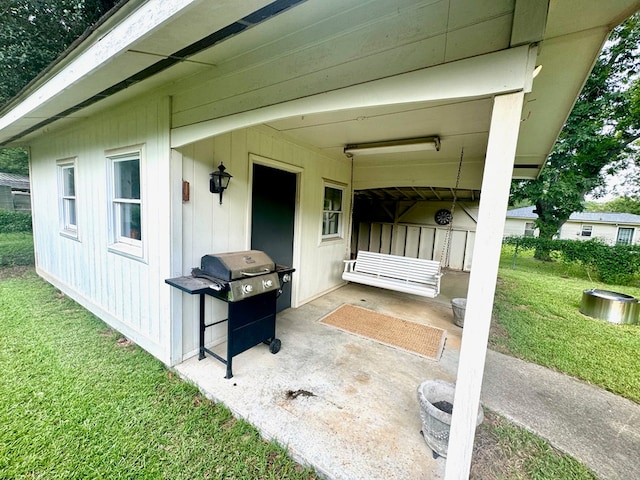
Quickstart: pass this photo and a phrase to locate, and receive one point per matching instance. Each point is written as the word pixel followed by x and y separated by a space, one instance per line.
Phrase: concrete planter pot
pixel 459 307
pixel 436 401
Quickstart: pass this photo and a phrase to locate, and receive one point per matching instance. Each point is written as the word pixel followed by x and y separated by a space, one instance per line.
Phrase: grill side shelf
pixel 192 285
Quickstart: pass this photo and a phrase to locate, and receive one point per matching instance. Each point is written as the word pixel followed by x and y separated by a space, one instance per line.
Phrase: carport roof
pixel 17 182
pixel 418 194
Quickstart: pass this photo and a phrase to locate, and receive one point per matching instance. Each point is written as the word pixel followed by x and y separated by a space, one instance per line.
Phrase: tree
pixel 621 204
pixel 33 33
pixel 597 139
pixel 14 160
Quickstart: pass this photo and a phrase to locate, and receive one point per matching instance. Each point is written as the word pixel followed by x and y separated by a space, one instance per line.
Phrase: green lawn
pixel 16 249
pixel 537 319
pixel 77 403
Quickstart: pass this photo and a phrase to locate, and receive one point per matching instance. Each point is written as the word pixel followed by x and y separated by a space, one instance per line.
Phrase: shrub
pixel 13 222
pixel 618 264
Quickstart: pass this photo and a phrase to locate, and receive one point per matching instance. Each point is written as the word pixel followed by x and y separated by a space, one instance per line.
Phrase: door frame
pixel 298 171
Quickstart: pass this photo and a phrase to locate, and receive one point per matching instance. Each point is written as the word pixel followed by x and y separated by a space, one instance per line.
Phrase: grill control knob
pixel 286 278
pixel 247 288
pixel 267 283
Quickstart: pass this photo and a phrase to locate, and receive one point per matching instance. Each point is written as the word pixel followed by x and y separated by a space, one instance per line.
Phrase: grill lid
pixel 235 265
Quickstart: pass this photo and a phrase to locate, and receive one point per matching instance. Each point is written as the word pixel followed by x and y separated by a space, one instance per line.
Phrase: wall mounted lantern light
pixel 394 146
pixel 219 181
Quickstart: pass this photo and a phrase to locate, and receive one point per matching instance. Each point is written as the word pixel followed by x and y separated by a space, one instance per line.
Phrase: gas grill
pixel 250 283
pixel 239 275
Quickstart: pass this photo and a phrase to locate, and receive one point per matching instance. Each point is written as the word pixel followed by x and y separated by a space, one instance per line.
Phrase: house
pixel 611 227
pixel 290 96
pixel 15 192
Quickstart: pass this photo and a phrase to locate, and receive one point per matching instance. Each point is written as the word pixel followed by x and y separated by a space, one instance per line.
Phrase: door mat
pixel 412 337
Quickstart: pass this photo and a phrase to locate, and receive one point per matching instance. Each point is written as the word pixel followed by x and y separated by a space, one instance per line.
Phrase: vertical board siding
pixel 209 227
pixel 364 232
pixel 399 240
pixel 427 240
pixel 418 242
pixel 127 293
pixel 412 243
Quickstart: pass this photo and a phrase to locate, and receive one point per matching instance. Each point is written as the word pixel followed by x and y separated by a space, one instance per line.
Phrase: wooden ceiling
pixel 418 194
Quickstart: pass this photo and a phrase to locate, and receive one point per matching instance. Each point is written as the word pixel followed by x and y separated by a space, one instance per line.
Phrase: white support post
pixel 496 181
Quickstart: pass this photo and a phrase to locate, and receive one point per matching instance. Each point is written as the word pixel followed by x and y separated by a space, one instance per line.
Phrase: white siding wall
pixel 605 232
pixel 514 227
pixel 572 230
pixel 417 235
pixel 418 242
pixel 209 227
pixel 127 293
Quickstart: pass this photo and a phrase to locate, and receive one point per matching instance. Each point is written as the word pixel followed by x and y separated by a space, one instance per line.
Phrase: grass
pixel 78 401
pixel 537 319
pixel 16 249
pixel 503 451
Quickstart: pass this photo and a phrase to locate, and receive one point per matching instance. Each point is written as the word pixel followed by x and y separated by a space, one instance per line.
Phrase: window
pixel 332 212
pixel 586 231
pixel 625 236
pixel 126 202
pixel 529 229
pixel 67 197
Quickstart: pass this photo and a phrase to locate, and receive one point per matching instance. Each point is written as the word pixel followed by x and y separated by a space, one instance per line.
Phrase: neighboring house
pixel 126 127
pixel 15 192
pixel 610 227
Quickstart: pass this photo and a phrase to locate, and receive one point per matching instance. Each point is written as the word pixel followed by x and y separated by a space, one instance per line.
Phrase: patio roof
pixel 145 45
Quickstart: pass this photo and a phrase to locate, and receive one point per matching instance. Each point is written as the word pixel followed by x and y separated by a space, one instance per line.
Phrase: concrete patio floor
pixel 343 404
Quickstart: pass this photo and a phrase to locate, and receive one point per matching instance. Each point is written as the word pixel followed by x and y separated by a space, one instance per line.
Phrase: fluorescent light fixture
pixel 394 146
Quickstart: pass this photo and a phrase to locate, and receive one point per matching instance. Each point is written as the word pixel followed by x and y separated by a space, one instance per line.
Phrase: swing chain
pixel 447 243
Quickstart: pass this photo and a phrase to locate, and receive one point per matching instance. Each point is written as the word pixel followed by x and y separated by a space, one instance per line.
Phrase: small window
pixel 586 231
pixel 126 202
pixel 67 203
pixel 529 229
pixel 332 214
pixel 625 236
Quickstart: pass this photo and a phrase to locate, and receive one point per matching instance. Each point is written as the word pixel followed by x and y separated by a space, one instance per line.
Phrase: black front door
pixel 272 219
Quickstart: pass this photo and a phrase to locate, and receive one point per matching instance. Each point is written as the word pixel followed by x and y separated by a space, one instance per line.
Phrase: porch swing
pixel 416 276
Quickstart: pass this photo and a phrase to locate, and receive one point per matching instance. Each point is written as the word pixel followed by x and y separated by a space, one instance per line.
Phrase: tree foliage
pixel 33 33
pixel 14 160
pixel 626 204
pixel 597 139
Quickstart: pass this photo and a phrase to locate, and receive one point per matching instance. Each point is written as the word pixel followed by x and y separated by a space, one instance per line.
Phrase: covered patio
pixel 180 88
pixel 343 404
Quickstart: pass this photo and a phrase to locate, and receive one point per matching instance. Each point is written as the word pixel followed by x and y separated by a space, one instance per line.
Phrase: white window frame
pixel 339 234
pixel 67 200
pixel 119 242
pixel 586 231
pixel 632 231
pixel 531 231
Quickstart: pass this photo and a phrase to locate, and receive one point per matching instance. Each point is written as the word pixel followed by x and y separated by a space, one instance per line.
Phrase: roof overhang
pixel 147 45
